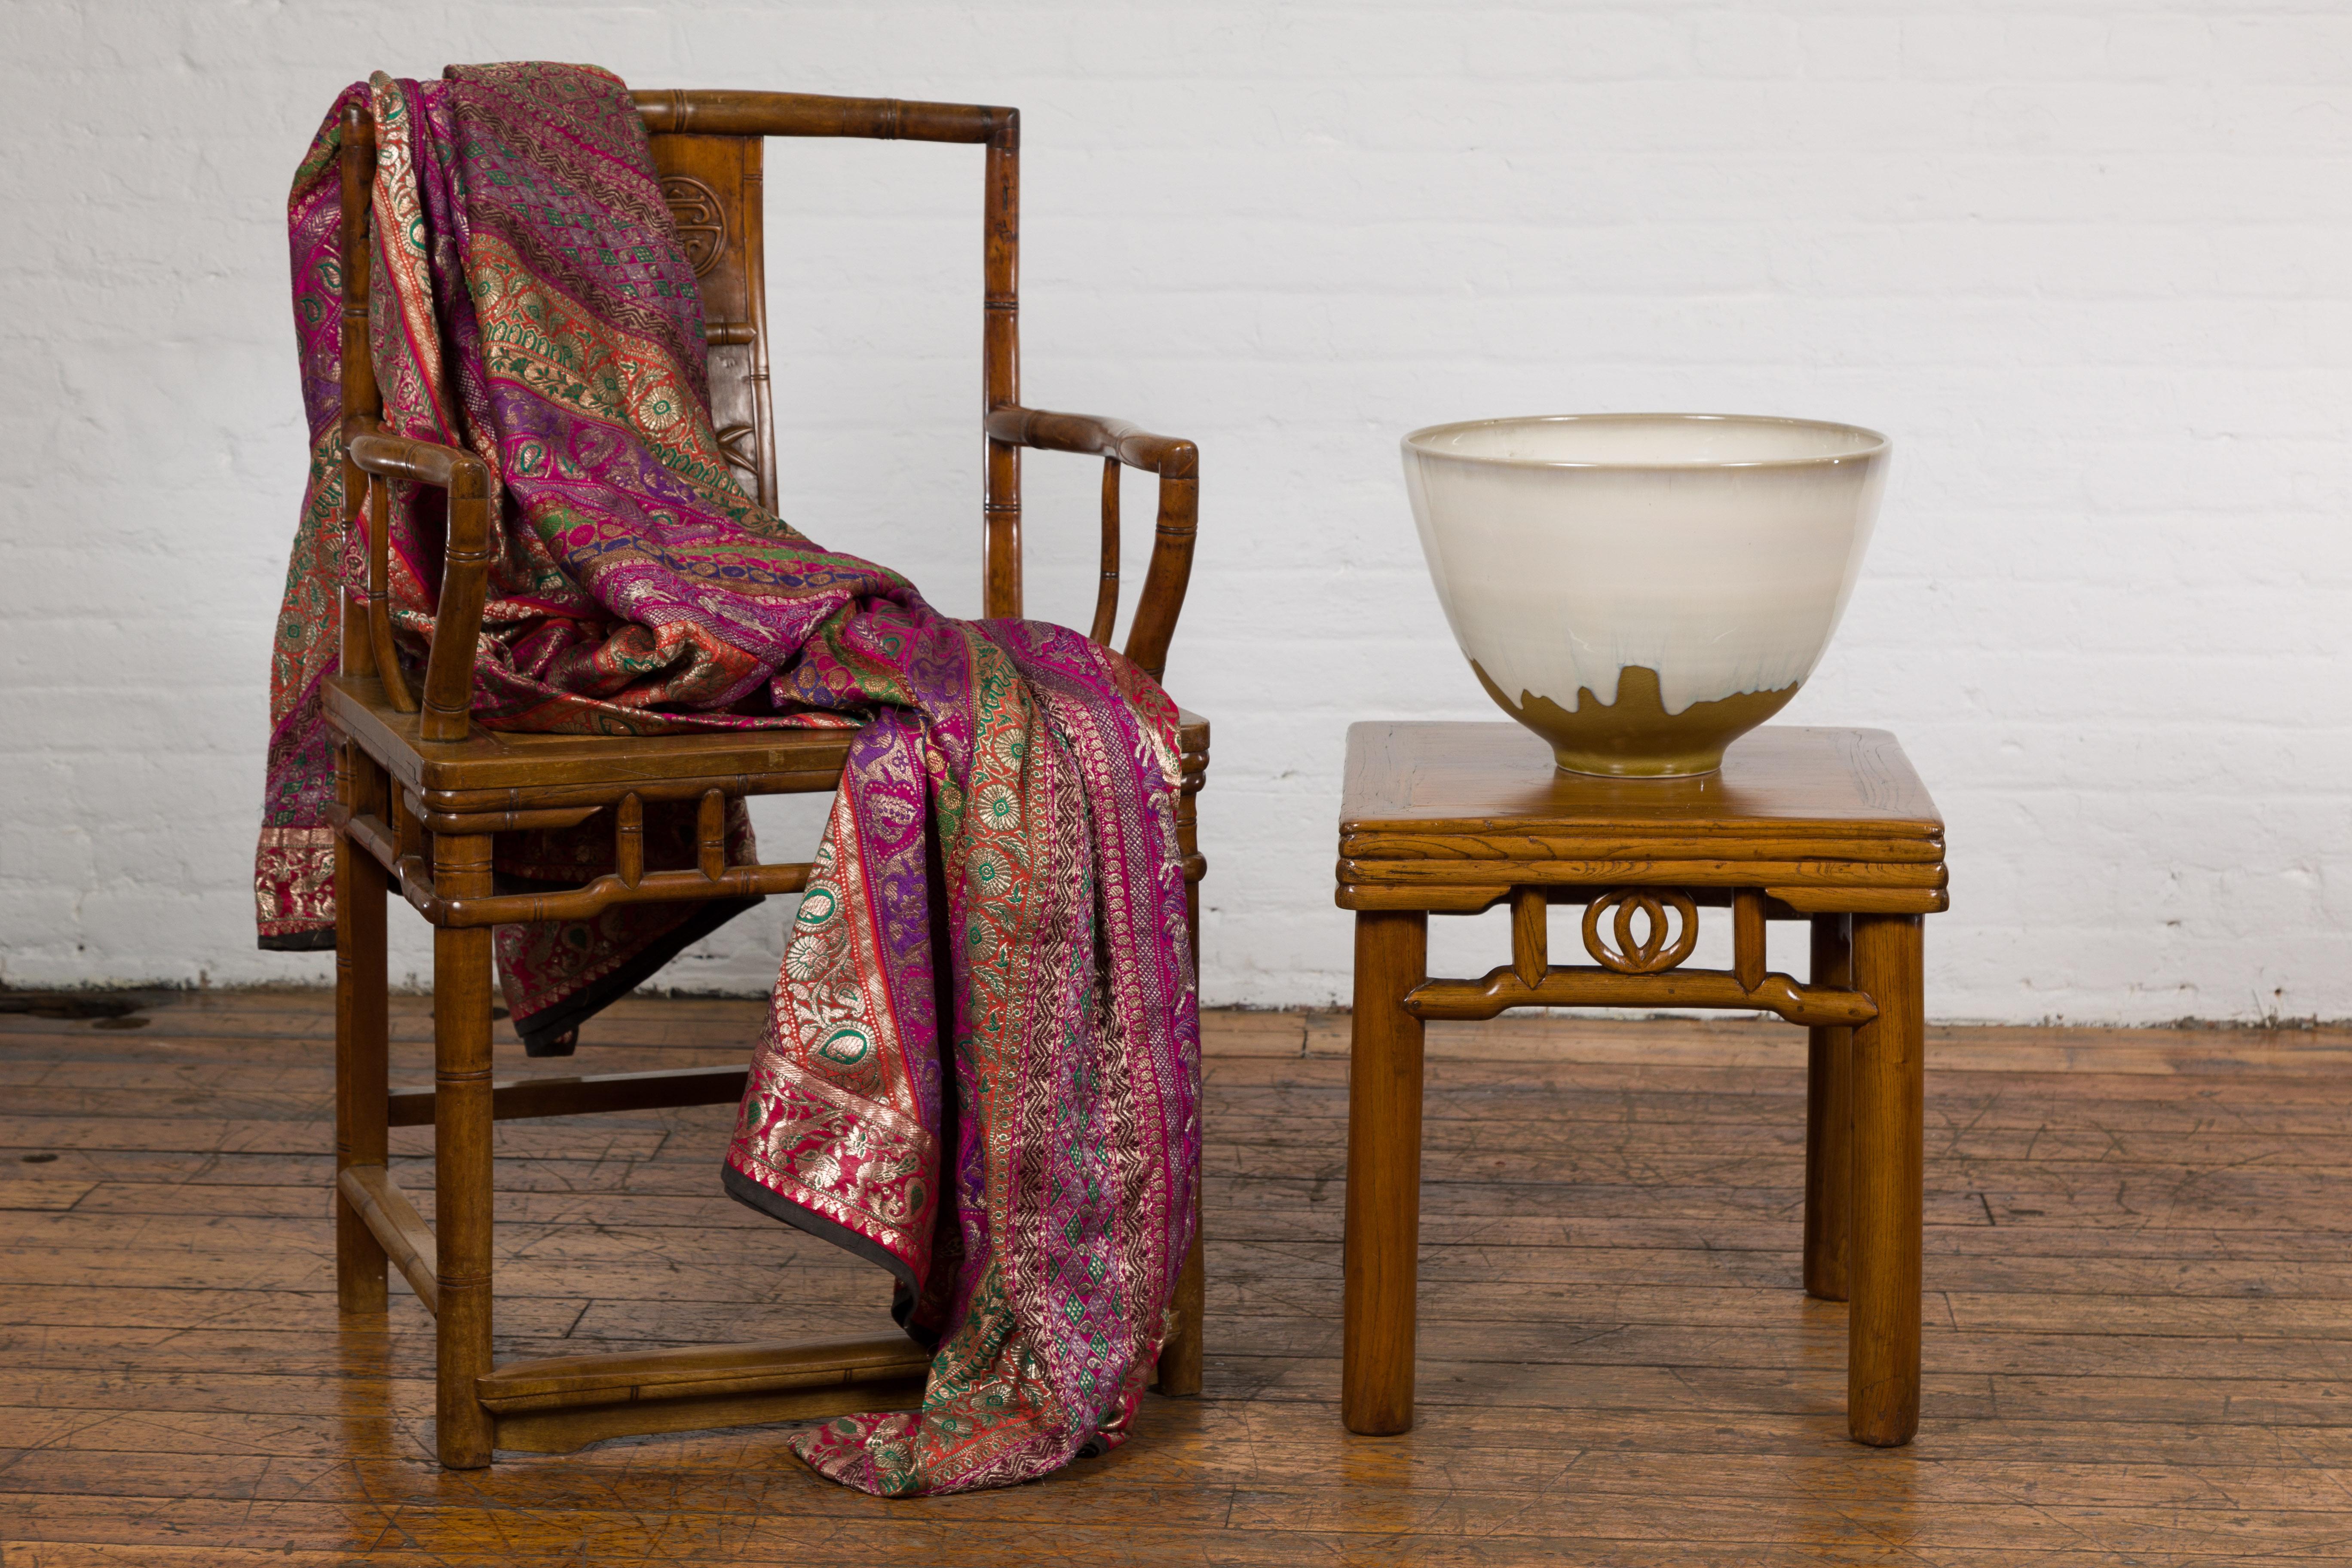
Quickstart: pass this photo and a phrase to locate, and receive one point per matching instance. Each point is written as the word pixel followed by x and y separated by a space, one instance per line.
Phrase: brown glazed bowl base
pixel 1635 737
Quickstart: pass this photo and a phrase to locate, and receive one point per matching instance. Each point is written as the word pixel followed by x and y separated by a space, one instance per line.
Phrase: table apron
pixel 1643 873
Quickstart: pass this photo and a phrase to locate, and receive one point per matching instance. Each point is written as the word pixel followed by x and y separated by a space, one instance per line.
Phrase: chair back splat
pixel 708 147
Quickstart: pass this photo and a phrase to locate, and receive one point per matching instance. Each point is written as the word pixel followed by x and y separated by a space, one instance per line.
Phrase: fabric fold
pixel 981 1065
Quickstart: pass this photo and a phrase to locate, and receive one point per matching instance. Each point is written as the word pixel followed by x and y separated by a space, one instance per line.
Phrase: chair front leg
pixel 361 1032
pixel 1180 1358
pixel 462 1191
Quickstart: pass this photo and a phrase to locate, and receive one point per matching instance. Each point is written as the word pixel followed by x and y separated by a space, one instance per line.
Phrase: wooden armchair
pixel 422 795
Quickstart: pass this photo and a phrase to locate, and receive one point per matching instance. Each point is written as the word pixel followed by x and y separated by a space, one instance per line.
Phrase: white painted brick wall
pixel 2089 263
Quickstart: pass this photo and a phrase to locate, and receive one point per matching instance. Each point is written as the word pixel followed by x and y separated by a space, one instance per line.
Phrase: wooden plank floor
pixel 2139 1314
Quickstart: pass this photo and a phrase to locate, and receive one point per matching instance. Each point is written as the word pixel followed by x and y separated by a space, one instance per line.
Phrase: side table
pixel 1830 826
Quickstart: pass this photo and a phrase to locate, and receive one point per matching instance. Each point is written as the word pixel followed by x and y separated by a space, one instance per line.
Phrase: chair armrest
pixel 1094 437
pixel 427 462
pixel 1178 464
pixel 465 571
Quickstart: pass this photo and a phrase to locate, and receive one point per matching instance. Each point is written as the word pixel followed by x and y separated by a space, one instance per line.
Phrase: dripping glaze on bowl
pixel 1642 589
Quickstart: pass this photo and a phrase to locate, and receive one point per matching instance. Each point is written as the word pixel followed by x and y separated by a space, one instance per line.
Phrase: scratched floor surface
pixel 2139 1308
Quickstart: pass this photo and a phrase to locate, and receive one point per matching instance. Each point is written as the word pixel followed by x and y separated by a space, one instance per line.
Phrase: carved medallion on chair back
pixel 712 183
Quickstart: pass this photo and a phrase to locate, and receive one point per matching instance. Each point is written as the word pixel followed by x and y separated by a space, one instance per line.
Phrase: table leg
pixel 1828 1121
pixel 1384 1175
pixel 1889 1085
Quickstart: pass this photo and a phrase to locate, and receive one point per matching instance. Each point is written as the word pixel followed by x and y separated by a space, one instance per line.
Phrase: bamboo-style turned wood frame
pixel 421 793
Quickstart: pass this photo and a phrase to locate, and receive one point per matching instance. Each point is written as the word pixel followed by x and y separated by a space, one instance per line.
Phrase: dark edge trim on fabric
pixel 561 1017
pixel 752 1196
pixel 322 939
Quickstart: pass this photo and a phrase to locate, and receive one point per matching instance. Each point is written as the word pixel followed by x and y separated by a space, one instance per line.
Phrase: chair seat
pixel 506 770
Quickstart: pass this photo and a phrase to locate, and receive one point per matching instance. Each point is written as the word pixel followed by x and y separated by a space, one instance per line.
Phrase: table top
pixel 1431 776
pixel 1480 806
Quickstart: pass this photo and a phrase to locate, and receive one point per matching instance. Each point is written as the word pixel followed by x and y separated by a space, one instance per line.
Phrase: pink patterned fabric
pixel 981 1067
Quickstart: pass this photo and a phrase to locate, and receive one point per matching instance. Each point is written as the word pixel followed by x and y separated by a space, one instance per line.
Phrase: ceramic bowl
pixel 1642 589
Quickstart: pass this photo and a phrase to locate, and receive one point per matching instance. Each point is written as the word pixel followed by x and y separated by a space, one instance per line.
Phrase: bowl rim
pixel 1417 441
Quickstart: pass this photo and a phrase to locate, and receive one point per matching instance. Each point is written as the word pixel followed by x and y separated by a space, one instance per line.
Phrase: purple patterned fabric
pixel 981 1067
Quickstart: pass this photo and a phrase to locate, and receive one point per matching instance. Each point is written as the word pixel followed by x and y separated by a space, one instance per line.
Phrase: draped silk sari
pixel 981 1063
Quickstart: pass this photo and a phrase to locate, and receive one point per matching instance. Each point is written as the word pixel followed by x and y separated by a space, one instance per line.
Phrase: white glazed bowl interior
pixel 1716 550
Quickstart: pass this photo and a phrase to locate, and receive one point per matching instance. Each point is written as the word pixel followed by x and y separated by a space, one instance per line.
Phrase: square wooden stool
pixel 1831 826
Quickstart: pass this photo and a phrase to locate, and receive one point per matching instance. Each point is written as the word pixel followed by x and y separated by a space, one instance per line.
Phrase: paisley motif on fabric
pixel 980 1064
